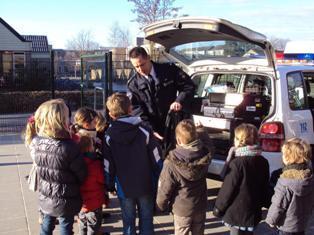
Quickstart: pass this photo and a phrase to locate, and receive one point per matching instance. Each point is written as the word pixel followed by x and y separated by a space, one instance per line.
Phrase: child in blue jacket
pixel 132 163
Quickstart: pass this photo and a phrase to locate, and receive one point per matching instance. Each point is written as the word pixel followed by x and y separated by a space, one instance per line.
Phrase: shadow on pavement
pixel 212 192
pixel 15 163
pixel 10 155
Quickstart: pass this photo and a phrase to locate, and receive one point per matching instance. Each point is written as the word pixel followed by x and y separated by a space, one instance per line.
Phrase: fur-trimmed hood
pixel 299 181
pixel 192 163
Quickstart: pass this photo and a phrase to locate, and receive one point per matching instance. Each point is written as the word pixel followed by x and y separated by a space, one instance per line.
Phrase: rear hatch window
pixel 243 52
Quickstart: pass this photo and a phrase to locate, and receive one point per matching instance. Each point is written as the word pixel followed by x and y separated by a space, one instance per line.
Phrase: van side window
pixel 296 92
pixel 232 81
pixel 309 84
pixel 257 84
pixel 202 81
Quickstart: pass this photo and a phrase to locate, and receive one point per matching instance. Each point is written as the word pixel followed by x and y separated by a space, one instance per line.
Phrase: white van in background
pixel 238 81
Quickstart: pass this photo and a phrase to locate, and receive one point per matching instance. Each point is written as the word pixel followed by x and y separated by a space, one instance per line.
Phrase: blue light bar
pixel 300 56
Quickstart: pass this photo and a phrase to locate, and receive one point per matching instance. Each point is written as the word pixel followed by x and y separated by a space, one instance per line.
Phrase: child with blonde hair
pixel 293 201
pixel 245 188
pixel 60 167
pixel 182 183
pixel 132 158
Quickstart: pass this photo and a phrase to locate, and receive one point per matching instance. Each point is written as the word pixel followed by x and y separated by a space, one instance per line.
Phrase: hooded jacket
pixel 292 203
pixel 132 158
pixel 61 170
pixel 182 183
pixel 93 188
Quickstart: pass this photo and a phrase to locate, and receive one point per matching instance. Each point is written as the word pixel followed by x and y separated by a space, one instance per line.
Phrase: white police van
pixel 238 81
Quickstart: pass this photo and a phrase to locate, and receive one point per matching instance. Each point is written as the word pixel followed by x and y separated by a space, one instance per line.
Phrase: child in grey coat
pixel 292 203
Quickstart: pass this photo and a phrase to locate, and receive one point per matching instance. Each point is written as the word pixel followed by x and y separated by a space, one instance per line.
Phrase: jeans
pixel 65 224
pixel 144 206
pixel 90 222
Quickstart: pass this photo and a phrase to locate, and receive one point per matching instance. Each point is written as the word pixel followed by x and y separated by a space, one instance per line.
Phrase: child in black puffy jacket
pixel 60 167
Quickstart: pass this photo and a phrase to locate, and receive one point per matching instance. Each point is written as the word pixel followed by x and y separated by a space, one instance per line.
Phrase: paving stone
pixel 19 206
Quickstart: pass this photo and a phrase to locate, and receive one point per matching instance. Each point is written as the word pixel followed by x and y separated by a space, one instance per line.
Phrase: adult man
pixel 154 89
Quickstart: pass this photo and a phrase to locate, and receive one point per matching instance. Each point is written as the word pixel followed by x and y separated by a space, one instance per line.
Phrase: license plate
pixel 219 123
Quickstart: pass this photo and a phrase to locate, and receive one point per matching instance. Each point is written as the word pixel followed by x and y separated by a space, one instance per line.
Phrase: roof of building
pixel 39 42
pixel 12 30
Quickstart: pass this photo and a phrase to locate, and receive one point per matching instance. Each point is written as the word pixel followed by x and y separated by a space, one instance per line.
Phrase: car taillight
pixel 271 136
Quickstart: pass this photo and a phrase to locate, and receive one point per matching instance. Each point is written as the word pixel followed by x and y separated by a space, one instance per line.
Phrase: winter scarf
pixel 249 151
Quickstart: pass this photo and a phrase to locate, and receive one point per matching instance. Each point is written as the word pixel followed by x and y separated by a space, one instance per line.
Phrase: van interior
pixel 234 98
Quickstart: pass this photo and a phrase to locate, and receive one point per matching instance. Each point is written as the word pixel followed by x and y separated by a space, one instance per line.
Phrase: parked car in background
pixel 238 81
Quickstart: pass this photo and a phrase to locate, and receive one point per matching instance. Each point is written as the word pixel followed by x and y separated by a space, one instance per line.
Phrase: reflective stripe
pixel 145 133
pixel 106 164
pixel 107 140
pixel 156 154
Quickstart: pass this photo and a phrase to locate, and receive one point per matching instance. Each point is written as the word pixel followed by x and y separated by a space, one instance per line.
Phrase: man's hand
pixel 175 106
pixel 156 134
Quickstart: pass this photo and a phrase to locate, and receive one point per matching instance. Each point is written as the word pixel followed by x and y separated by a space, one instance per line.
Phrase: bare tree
pixel 149 11
pixel 119 36
pixel 278 43
pixel 82 42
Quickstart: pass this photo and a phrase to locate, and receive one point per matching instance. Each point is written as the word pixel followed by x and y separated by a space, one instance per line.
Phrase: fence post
pixel 82 82
pixel 106 75
pixel 52 73
pixel 110 72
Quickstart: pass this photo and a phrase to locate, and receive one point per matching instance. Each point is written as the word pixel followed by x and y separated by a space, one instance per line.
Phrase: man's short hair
pixel 186 131
pixel 118 104
pixel 137 52
pixel 296 150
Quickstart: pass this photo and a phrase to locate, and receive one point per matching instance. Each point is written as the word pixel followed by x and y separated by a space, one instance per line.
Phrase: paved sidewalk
pixel 19 215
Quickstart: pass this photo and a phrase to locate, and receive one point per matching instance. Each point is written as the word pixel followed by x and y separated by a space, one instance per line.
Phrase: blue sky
pixel 62 20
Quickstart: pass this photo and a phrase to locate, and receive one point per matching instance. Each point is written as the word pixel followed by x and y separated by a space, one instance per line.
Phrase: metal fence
pixel 78 83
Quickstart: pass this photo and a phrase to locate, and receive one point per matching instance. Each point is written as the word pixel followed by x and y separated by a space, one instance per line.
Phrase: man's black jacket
pixel 173 85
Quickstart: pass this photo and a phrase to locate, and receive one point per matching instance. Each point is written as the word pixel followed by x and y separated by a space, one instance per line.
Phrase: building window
pixel 19 65
pixel 7 64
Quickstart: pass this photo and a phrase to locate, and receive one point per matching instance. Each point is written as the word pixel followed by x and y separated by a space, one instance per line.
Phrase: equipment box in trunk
pixel 221 113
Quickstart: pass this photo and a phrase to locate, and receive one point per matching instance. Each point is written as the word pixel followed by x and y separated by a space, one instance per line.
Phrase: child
pixel 85 122
pixel 59 166
pixel 92 190
pixel 292 203
pixel 182 183
pixel 245 188
pixel 131 156
pixel 101 127
pixel 89 122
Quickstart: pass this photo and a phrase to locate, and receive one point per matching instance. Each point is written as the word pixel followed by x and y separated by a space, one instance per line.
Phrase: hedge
pixel 28 101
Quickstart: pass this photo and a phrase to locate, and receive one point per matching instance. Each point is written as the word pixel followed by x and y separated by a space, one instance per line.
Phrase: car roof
pixel 290 68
